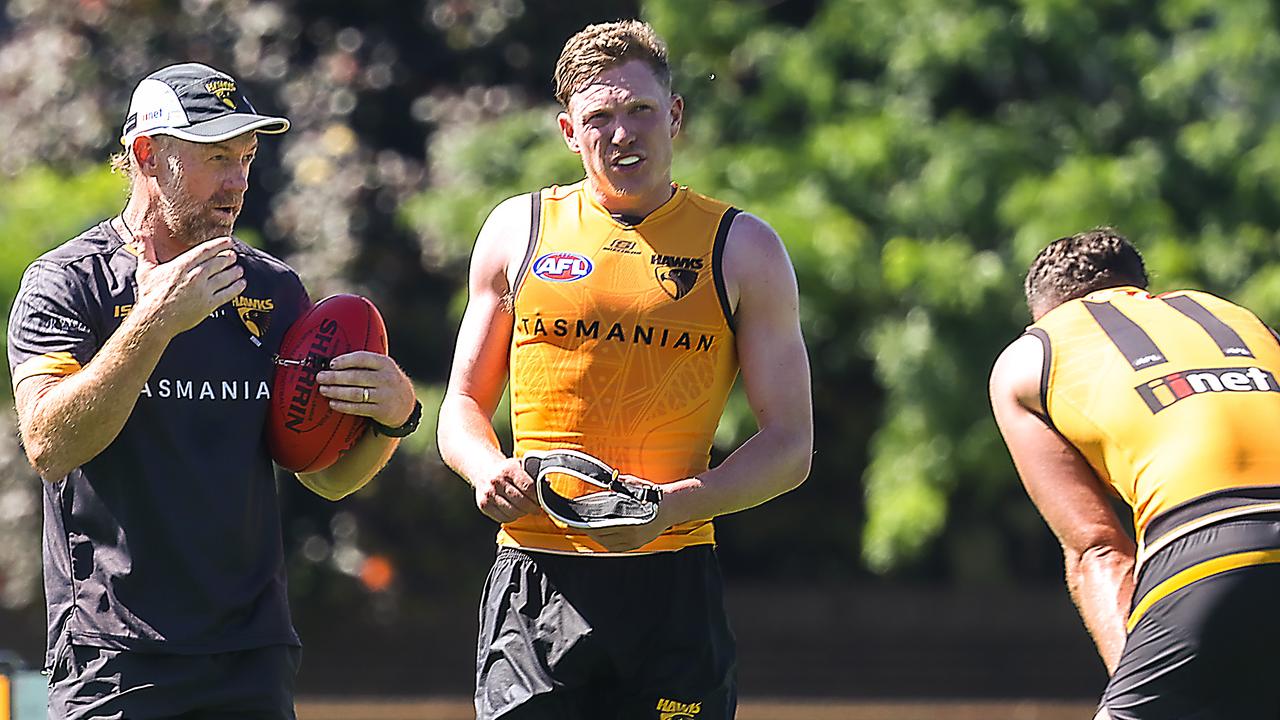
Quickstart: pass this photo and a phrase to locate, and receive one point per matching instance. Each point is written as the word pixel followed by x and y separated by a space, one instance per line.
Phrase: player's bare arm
pixel 65 421
pixel 1098 553
pixel 465 434
pixel 390 401
pixel 775 375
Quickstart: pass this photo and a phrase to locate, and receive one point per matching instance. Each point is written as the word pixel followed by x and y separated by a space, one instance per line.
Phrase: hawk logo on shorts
pixel 562 267
pixel 672 710
pixel 254 313
pixel 222 89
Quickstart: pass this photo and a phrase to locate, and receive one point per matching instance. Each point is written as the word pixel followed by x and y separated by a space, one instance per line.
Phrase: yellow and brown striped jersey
pixel 623 347
pixel 1172 399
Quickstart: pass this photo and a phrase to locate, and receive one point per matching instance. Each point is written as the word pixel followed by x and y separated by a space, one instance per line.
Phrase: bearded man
pixel 141 355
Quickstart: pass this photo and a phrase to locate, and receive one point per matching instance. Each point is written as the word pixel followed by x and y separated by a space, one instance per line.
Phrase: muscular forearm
pixel 466 438
pixel 67 423
pixel 1101 584
pixel 768 464
pixel 354 469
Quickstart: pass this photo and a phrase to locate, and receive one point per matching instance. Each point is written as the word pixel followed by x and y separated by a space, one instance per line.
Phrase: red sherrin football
pixel 303 433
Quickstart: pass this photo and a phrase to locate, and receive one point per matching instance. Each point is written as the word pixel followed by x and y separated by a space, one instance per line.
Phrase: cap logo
pixel 222 89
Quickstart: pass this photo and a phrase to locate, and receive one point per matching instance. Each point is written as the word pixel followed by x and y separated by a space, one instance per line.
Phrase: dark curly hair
pixel 1074 266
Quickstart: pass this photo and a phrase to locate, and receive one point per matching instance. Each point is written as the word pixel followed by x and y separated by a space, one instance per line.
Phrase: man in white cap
pixel 141 355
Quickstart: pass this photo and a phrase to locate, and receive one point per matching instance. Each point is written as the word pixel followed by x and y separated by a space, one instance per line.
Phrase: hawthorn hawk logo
pixel 222 89
pixel 255 313
pixel 676 275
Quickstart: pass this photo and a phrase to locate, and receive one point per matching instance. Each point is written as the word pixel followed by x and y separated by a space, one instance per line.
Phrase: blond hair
pixel 597 48
pixel 121 164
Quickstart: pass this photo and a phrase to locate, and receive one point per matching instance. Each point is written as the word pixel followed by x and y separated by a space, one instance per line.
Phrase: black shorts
pixel 91 682
pixel 1209 649
pixel 605 638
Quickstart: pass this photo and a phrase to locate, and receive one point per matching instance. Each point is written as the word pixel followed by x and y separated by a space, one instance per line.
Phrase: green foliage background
pixel 913 156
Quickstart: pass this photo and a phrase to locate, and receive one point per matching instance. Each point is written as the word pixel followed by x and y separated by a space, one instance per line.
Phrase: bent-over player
pixel 1171 402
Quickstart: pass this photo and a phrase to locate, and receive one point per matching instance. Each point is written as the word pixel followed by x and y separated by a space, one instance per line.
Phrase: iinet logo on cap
pixel 154 106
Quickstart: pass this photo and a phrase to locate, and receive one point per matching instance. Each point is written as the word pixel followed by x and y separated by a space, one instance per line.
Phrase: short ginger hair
pixel 597 48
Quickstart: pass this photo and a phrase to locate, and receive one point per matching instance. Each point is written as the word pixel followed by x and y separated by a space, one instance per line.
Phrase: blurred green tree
pixel 914 156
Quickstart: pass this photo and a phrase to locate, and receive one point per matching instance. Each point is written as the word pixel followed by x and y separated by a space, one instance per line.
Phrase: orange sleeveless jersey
pixel 1172 399
pixel 623 348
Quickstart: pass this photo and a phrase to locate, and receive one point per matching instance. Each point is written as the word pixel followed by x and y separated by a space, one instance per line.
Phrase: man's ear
pixel 145 152
pixel 677 114
pixel 567 131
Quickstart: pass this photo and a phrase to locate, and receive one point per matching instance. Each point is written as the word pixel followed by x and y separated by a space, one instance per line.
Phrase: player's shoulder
pixel 1201 297
pixel 508 225
pixel 264 261
pixel 1196 303
pixel 516 207
pixel 94 243
pixel 572 192
pixel 750 228
pixel 750 241
pixel 1027 348
pixel 1019 368
pixel 707 204
pixel 80 265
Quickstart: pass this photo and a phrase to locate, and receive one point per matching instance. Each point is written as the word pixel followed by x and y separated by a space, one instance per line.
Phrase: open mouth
pixel 629 160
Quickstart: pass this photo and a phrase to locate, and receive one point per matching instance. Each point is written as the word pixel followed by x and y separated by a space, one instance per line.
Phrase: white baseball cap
pixel 196 103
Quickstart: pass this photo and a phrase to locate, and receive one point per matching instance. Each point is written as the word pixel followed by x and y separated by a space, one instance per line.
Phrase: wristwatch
pixel 408 427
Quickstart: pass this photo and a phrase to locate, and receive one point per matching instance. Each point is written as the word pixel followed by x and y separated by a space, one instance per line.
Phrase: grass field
pixel 756 709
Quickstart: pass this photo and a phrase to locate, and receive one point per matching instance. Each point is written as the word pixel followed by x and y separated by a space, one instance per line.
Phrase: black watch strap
pixel 408 427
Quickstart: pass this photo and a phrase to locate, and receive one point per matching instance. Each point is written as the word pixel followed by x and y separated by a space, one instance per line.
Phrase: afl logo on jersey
pixel 562 267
